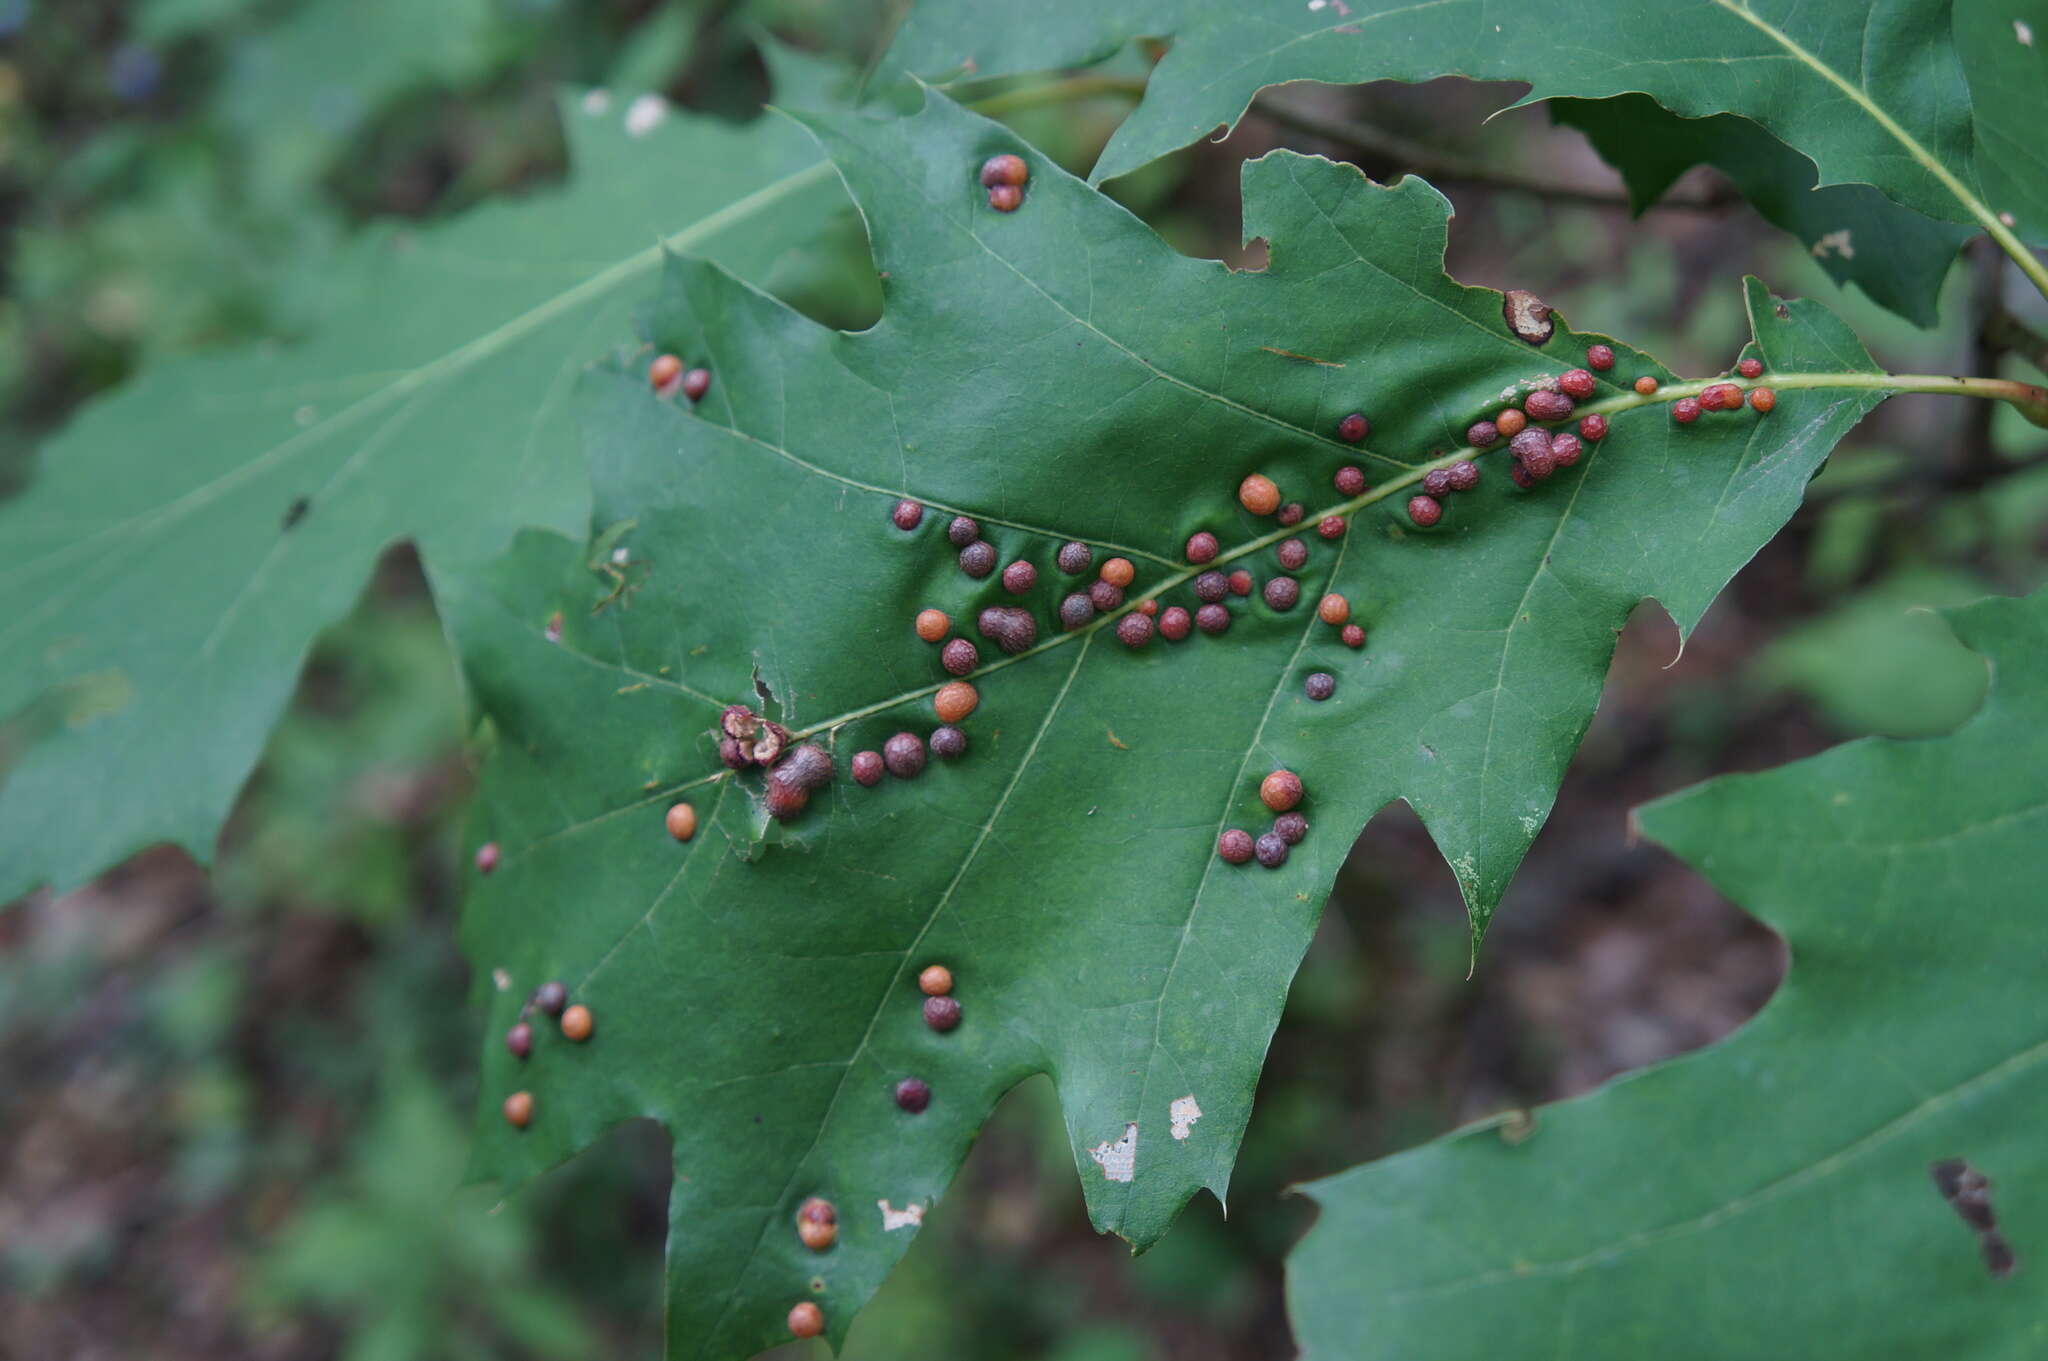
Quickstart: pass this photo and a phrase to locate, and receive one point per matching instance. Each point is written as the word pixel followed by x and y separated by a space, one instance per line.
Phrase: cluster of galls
pixel 1004 177
pixel 1538 452
pixel 1282 792
pixel 746 741
pixel 668 377
pixel 575 1022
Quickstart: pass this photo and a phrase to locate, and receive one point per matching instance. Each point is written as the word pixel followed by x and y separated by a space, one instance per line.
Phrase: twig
pixel 2007 334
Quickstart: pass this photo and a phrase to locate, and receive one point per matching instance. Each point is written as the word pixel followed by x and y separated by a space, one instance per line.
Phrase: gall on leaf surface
pixel 1770 1195
pixel 188 536
pixel 1058 373
pixel 1936 105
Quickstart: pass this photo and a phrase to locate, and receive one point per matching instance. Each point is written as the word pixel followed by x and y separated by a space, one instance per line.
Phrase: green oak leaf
pixel 1057 373
pixel 1897 256
pixel 1771 1195
pixel 189 535
pixel 2004 52
pixel 1880 96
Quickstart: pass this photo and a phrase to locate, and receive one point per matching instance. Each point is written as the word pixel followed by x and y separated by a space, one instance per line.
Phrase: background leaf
pixel 164 547
pixel 1897 256
pixel 1884 103
pixel 760 999
pixel 1770 1196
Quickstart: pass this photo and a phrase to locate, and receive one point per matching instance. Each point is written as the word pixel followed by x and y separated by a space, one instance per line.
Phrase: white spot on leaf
pixel 1182 1113
pixel 1119 1161
pixel 596 102
pixel 909 1217
pixel 501 980
pixel 2021 31
pixel 644 115
pixel 1835 242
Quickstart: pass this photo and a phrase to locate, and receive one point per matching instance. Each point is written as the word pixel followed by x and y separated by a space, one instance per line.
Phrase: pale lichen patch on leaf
pixel 1835 242
pixel 645 114
pixel 1182 1114
pixel 909 1217
pixel 2024 32
pixel 1119 1161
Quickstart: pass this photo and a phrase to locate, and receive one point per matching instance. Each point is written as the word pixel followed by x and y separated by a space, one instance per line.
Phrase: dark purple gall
pixel 1319 686
pixel 1282 593
pixel 1292 555
pixel 1019 577
pixel 1482 434
pixel 959 657
pixel 1134 630
pixel 1425 511
pixel 1211 587
pixel 1520 476
pixel 961 531
pixel 550 998
pixel 1547 406
pixel 807 767
pixel 1353 428
pixel 785 801
pixel 1290 828
pixel 1106 596
pixel 903 754
pixel 1271 850
pixel 519 1040
pixel 1075 558
pixel 1565 448
pixel 941 1013
pixel 908 515
pixel 1203 548
pixel 913 1094
pixel 1464 475
pixel 867 768
pixel 1076 610
pixel 1212 618
pixel 1437 482
pixel 978 559
pixel 733 753
pixel 696 383
pixel 1349 481
pixel 948 742
pixel 1290 514
pixel 1008 627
